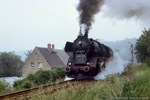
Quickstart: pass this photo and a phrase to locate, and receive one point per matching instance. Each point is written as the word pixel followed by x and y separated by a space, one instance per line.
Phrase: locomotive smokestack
pixel 80 33
pixel 87 10
pixel 86 33
pixel 83 29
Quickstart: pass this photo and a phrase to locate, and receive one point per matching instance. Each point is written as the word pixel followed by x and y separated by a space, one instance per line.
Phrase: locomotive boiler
pixel 87 57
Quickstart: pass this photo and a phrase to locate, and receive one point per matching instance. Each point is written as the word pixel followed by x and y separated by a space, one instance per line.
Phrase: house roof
pixel 57 58
pixel 62 55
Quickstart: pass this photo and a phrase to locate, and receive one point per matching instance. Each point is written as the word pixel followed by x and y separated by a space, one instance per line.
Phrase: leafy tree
pixel 10 64
pixel 143 47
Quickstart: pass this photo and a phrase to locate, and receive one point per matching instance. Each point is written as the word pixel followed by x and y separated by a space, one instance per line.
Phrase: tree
pixel 142 47
pixel 10 64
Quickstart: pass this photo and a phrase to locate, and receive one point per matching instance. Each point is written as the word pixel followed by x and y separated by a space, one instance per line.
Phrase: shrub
pixel 61 72
pixel 24 83
pixel 17 83
pixel 27 84
pixel 41 77
pixel 4 86
pixel 31 77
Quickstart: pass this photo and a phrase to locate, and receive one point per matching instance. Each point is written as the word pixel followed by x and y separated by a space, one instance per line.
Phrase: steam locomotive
pixel 87 57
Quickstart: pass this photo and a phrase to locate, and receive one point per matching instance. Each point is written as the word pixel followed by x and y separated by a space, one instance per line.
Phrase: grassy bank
pixel 134 83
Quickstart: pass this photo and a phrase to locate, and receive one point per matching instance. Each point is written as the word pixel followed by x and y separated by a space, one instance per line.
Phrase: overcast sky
pixel 25 24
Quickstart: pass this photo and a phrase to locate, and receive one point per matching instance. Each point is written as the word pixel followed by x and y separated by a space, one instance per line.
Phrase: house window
pixel 32 64
pixel 40 64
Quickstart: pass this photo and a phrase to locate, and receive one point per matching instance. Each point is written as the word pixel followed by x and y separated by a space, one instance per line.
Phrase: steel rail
pixel 51 88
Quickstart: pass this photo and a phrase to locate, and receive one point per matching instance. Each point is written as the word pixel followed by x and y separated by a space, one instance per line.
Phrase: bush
pixel 41 77
pixel 17 83
pixel 31 77
pixel 27 84
pixel 4 86
pixel 54 76
pixel 61 72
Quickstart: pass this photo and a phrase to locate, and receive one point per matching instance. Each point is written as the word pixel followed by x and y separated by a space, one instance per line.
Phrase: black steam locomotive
pixel 87 57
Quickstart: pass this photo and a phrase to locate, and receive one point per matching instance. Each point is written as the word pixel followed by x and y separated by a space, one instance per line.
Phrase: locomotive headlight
pixel 69 63
pixel 88 63
pixel 80 42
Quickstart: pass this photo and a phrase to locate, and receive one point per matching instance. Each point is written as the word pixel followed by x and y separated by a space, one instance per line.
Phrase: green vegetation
pixel 41 77
pixel 4 86
pixel 134 83
pixel 140 85
pixel 143 47
pixel 10 64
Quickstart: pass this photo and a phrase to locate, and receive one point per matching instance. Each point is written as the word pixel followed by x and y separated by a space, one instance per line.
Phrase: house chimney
pixel 53 46
pixel 49 46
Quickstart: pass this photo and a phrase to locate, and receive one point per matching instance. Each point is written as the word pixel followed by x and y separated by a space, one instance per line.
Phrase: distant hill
pixel 122 46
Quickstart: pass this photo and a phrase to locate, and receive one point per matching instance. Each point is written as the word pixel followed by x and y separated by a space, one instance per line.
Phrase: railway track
pixel 52 88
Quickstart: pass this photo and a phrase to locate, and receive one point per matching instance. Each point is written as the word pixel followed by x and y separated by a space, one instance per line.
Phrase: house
pixel 45 59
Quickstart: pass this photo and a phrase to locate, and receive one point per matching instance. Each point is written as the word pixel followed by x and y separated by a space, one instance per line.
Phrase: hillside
pixel 122 46
pixel 134 83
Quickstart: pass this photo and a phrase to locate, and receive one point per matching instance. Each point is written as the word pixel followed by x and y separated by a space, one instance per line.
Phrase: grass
pixel 134 83
pixel 101 90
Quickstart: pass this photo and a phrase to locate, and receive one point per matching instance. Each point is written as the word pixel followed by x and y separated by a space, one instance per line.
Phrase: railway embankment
pixel 133 83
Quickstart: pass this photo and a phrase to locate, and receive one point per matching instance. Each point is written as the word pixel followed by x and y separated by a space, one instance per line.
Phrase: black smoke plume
pixel 87 10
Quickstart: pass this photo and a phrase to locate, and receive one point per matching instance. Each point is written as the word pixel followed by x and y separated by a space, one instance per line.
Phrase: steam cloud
pixel 115 65
pixel 87 10
pixel 121 9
